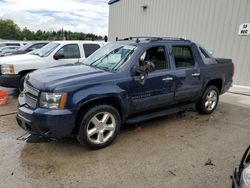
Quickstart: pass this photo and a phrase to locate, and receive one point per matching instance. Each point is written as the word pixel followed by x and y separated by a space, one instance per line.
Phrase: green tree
pixel 27 34
pixel 9 30
pixel 39 35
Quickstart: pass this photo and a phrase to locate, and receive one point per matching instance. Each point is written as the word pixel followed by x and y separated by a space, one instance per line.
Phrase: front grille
pixel 29 89
pixel 31 101
pixel 31 96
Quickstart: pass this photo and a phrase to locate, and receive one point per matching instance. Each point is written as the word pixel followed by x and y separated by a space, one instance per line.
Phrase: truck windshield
pixel 46 50
pixel 111 57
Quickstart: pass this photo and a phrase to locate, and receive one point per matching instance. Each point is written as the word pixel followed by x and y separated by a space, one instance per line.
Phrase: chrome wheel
pixel 101 127
pixel 211 100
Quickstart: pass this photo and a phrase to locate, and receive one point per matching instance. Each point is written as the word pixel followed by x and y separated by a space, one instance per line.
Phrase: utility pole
pixel 63 38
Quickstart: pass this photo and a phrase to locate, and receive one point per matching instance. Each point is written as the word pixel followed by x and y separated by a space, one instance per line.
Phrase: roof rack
pixel 150 38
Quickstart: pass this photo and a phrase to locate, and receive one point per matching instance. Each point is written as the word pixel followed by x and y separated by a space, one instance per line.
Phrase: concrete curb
pixel 238 93
pixel 241 90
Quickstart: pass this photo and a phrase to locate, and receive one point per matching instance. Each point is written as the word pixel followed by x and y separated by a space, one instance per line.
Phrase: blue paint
pixel 85 84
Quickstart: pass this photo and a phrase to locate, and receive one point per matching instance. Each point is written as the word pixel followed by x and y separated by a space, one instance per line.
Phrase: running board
pixel 160 113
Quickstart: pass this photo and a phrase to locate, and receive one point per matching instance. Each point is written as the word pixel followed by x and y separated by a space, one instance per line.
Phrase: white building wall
pixel 212 23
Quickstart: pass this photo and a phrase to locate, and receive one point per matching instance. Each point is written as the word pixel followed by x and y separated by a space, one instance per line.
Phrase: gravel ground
pixel 183 151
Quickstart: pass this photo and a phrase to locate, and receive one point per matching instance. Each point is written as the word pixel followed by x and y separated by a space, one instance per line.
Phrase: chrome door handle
pixel 196 74
pixel 167 78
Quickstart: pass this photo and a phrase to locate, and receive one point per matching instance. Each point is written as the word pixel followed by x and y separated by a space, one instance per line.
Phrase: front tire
pixel 21 84
pixel 99 126
pixel 209 100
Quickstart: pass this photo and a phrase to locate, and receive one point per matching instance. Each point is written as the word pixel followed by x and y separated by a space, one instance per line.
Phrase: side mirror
pixel 58 56
pixel 145 68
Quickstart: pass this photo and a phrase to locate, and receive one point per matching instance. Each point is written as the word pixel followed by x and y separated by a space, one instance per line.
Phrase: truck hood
pixel 18 59
pixel 64 76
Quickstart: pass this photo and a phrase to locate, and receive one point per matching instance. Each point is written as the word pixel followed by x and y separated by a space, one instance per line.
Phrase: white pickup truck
pixel 15 68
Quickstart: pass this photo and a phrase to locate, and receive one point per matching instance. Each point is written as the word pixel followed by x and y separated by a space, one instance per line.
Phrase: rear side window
pixel 70 51
pixel 90 48
pixel 12 44
pixel 183 56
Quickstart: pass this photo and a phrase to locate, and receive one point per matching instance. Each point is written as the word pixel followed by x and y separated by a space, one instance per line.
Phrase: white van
pixel 15 68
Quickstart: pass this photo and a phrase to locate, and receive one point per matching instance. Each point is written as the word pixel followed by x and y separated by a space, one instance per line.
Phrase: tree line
pixel 9 30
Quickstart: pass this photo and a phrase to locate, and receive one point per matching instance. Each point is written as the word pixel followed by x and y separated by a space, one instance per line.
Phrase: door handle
pixel 167 79
pixel 196 74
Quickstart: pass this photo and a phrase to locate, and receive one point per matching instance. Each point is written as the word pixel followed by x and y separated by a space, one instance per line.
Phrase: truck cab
pixel 127 81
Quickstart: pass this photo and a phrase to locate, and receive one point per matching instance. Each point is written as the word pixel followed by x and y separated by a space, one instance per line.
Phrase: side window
pixel 70 51
pixel 12 44
pixel 156 55
pixel 183 56
pixel 37 46
pixel 90 48
pixel 204 53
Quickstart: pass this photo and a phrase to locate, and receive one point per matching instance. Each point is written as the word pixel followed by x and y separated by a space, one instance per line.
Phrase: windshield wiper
pixel 122 61
pixel 102 57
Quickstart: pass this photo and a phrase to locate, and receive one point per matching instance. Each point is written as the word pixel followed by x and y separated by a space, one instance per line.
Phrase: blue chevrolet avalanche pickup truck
pixel 127 81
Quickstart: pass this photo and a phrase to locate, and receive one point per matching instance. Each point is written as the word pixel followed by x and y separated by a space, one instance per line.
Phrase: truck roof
pixel 147 40
pixel 77 41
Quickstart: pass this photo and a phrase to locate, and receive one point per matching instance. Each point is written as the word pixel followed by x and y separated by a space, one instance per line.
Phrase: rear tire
pixel 209 100
pixel 99 126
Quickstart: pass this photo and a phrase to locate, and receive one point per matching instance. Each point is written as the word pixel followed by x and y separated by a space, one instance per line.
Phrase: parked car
pixel 123 82
pixel 12 43
pixel 15 68
pixel 29 47
pixel 7 50
pixel 241 177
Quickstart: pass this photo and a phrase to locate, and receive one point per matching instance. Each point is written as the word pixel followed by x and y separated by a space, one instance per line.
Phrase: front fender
pixel 98 92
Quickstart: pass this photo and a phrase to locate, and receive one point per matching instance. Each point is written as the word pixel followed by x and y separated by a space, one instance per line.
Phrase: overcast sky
pixel 89 16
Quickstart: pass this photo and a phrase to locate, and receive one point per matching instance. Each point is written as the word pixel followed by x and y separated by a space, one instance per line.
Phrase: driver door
pixel 157 90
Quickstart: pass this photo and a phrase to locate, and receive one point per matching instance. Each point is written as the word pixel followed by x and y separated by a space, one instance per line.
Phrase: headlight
pixel 245 178
pixel 53 100
pixel 7 69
